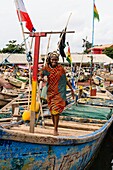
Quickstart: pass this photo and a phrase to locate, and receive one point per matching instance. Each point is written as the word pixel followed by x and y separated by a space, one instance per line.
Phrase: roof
pixel 102 46
pixel 14 58
pixel 85 58
pixel 76 58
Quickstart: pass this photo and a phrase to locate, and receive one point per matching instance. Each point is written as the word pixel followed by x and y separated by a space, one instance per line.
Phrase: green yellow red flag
pixel 68 55
pixel 96 14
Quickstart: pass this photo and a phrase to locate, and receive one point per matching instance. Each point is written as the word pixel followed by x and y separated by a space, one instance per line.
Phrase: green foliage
pixel 12 47
pixel 109 52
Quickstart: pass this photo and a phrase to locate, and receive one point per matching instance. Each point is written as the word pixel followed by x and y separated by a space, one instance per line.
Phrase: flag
pixel 23 15
pixel 96 14
pixel 68 55
pixel 62 44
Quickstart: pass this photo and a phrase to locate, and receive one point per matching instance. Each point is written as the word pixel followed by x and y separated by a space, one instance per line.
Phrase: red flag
pixel 23 15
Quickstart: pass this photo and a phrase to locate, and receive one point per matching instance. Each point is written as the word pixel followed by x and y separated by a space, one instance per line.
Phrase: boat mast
pixel 91 65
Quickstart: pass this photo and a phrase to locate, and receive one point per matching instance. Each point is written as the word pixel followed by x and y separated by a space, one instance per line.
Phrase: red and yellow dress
pixel 56 88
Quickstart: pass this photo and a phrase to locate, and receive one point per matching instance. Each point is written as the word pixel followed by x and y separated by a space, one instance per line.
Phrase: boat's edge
pixel 8 134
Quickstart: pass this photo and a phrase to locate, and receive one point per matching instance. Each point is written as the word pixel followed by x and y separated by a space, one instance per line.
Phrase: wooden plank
pixel 74 125
pixel 5 119
pixel 39 130
pixel 16 111
pixel 32 121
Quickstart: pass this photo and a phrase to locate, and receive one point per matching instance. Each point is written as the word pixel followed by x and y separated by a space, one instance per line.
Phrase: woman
pixel 56 87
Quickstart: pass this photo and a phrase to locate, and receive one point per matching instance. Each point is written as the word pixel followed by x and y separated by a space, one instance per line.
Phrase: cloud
pixel 52 15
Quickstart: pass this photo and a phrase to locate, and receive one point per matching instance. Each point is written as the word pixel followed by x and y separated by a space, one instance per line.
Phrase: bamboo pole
pixel 21 24
pixel 64 31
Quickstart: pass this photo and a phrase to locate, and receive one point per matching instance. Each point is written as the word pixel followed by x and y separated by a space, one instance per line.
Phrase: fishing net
pixel 88 111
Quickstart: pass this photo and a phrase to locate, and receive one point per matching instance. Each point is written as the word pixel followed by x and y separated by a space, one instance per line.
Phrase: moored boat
pixel 79 139
pixel 3 102
pixel 6 95
pixel 23 79
pixel 15 82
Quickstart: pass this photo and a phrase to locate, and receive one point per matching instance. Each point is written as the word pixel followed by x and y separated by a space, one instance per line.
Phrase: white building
pixel 76 58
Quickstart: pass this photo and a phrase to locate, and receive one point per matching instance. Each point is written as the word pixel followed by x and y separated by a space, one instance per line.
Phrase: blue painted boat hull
pixel 58 153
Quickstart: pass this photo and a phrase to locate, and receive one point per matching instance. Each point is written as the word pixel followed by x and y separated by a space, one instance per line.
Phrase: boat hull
pixel 3 102
pixel 60 152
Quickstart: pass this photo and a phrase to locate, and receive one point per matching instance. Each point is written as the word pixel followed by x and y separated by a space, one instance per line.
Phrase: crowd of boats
pixel 82 127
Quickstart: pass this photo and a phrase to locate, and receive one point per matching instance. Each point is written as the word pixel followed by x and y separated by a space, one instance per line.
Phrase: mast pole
pixel 21 24
pixel 93 25
pixel 34 78
pixel 91 72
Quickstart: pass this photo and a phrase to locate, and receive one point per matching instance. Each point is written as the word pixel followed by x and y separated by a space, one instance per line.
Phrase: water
pixel 104 158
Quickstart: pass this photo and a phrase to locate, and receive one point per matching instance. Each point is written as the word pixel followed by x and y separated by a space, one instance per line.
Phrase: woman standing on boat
pixel 56 87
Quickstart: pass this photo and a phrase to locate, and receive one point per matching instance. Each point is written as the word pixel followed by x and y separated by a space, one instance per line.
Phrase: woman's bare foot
pixel 55 133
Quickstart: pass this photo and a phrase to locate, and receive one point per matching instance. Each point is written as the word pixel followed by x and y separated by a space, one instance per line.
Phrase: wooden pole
pixel 64 31
pixel 34 79
pixel 91 72
pixel 16 2
pixel 93 25
pixel 47 50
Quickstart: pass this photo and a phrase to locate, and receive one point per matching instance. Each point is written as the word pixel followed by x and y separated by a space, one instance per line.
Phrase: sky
pixel 52 15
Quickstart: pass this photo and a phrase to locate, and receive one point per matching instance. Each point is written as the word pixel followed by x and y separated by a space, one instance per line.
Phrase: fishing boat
pixel 3 102
pixel 82 129
pixel 23 79
pixel 109 92
pixel 5 98
pixel 7 95
pixel 98 80
pixel 15 82
pixel 80 134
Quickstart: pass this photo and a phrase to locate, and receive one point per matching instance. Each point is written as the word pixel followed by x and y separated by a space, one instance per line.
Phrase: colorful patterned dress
pixel 56 88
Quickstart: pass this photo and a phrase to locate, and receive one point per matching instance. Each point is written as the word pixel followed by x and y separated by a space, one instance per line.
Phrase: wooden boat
pixel 109 77
pixel 15 82
pixel 5 83
pixel 3 102
pixel 23 79
pixel 79 139
pixel 98 80
pixel 110 89
pixel 6 95
pixel 109 93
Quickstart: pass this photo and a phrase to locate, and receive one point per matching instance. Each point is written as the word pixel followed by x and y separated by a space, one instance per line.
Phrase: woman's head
pixel 53 58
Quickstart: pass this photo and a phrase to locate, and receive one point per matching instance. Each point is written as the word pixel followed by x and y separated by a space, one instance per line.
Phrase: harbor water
pixel 104 157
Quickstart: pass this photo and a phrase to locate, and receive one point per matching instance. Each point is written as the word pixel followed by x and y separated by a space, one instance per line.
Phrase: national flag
pixel 23 15
pixel 96 14
pixel 62 44
pixel 68 55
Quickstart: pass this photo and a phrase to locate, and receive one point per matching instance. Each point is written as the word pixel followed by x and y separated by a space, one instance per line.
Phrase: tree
pixel 109 52
pixel 12 47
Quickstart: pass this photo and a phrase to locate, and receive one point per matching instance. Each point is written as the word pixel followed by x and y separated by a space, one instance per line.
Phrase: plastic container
pixel 93 91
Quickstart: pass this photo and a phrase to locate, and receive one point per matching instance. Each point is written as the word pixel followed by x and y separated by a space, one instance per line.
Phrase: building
pixel 76 59
pixel 100 48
